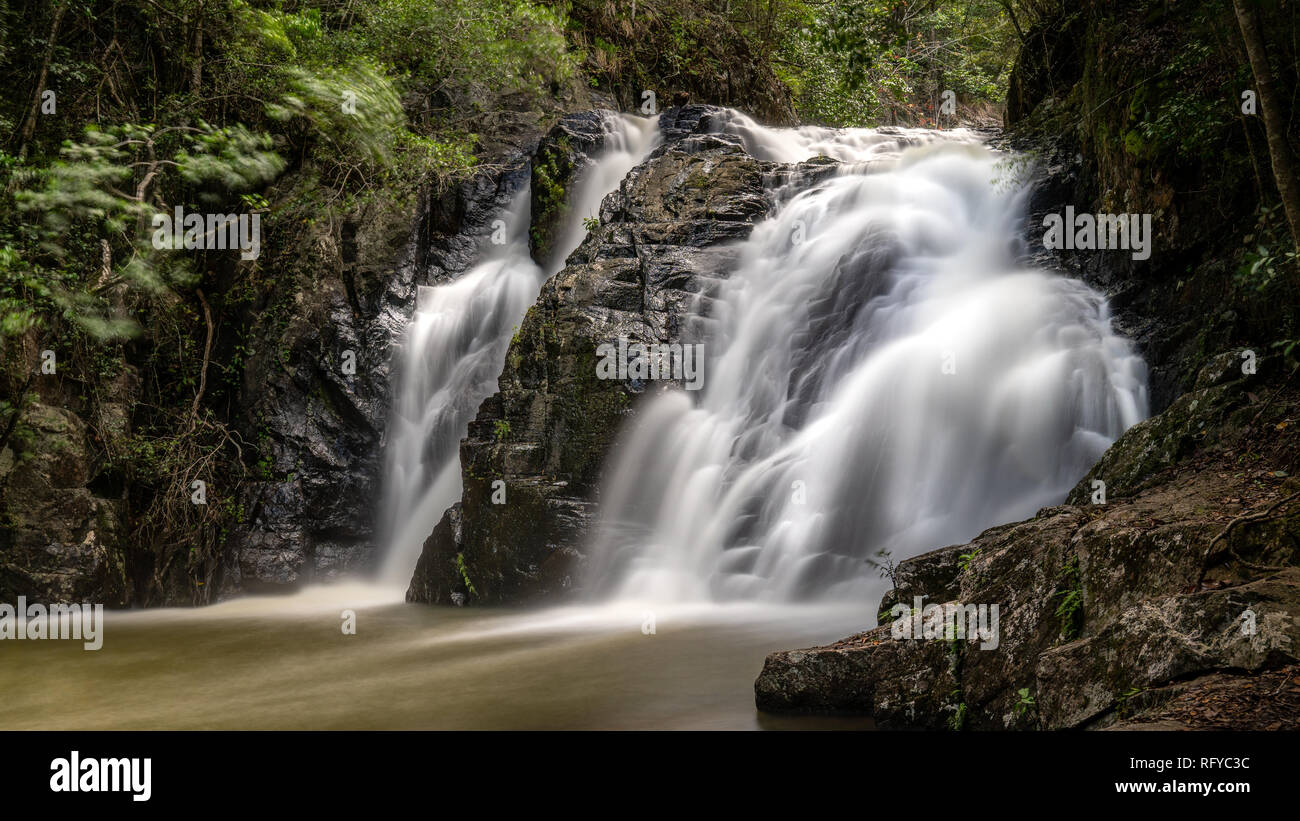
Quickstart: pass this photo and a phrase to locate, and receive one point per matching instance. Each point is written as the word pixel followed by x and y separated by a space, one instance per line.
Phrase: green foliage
pixel 1176 112
pixel 864 62
pixel 308 79
pixel 232 159
pixel 25 295
pixel 1122 708
pixel 550 198
pixel 464 574
pixel 420 156
pixel 501 430
pixel 1270 258
pixel 1069 611
pixel 964 559
pixel 719 51
pixel 352 109
pixel 92 211
pixel 957 721
pixel 1025 703
pixel 464 46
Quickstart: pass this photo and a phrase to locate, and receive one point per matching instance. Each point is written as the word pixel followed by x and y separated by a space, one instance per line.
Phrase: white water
pixel 828 429
pixel 455 346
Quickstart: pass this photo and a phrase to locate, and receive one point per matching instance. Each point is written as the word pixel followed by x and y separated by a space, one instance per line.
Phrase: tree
pixel 29 124
pixel 1274 123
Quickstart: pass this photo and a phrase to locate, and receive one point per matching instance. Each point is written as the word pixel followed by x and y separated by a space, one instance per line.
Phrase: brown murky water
pixel 284 663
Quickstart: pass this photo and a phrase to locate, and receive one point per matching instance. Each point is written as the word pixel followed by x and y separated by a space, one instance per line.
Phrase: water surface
pixel 284 663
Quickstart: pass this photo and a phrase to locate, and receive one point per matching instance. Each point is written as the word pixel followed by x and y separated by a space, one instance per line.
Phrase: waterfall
pixel 885 376
pixel 455 346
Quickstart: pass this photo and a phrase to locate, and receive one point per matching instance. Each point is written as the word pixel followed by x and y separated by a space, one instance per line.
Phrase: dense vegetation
pixel 838 62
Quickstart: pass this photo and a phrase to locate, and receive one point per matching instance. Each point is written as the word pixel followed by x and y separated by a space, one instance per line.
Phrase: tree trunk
pixel 29 125
pixel 1279 151
pixel 196 55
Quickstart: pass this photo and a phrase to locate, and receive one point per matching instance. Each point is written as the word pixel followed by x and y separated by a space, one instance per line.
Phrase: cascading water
pixel 456 343
pixel 884 374
pixel 453 351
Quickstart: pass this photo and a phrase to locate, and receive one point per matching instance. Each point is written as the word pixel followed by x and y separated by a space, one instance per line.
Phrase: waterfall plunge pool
pixel 283 662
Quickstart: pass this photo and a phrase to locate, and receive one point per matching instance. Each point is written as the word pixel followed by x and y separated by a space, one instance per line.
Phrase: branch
pixel 207 355
pixel 1250 517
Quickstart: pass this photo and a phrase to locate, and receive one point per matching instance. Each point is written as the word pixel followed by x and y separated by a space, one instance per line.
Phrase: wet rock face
pixel 1190 570
pixel 311 515
pixel 663 237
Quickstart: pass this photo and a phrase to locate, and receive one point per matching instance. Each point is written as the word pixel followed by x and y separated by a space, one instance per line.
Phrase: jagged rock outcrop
pixel 663 236
pixel 58 540
pixel 567 151
pixel 1190 570
pixel 311 516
